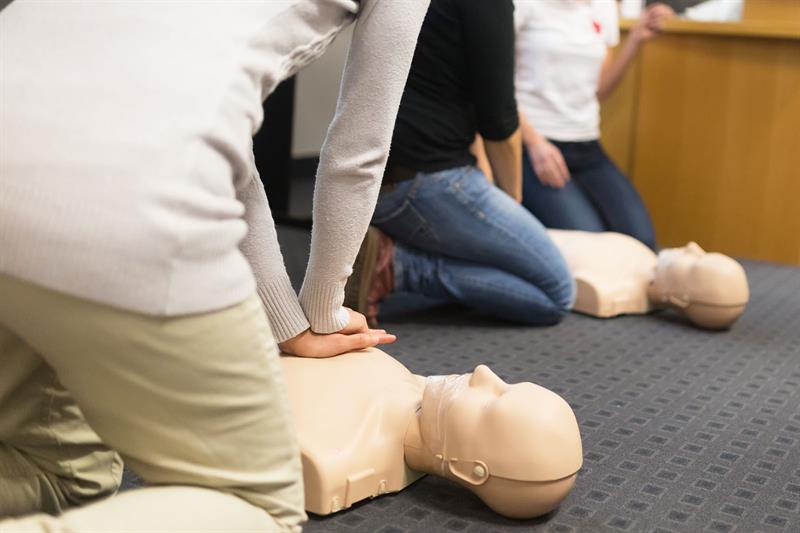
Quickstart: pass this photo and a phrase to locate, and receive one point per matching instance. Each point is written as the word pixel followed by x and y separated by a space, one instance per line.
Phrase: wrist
pixel 637 35
pixel 535 138
pixel 287 344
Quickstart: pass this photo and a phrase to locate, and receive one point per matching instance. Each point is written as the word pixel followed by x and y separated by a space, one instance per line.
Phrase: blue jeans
pixel 461 239
pixel 598 197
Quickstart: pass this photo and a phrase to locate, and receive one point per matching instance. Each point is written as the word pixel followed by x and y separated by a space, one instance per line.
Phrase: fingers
pixel 309 344
pixel 358 341
pixel 554 173
pixel 546 172
pixel 362 341
pixel 561 165
pixel 550 166
pixel 656 15
pixel 383 336
pixel 357 323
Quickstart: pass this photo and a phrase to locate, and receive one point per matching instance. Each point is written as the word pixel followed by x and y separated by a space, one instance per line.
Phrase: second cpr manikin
pixel 367 426
pixel 615 274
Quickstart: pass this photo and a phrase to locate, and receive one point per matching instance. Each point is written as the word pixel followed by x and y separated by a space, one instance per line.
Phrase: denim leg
pixel 492 291
pixel 565 208
pixel 457 215
pixel 614 196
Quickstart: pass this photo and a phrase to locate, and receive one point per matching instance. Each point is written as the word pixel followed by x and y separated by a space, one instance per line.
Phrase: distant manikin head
pixel 709 288
pixel 518 447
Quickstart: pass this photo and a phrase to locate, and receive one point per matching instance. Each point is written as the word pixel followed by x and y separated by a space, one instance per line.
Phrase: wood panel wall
pixel 708 128
pixel 771 10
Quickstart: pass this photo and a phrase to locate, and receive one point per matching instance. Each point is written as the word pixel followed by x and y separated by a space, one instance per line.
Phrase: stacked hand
pixel 356 335
pixel 651 21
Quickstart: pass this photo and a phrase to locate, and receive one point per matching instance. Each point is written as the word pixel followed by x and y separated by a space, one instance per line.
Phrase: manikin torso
pixel 351 414
pixel 612 271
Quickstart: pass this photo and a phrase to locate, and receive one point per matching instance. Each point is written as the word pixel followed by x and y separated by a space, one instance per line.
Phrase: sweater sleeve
pixel 263 252
pixel 355 150
pixel 310 28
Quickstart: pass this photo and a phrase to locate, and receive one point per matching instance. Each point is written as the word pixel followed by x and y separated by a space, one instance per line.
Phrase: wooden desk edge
pixel 766 30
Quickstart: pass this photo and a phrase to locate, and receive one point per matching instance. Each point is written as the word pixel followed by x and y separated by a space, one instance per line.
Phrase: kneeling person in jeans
pixel 444 230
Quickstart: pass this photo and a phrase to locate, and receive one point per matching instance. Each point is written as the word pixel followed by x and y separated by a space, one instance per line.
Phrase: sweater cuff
pixel 283 309
pixel 322 304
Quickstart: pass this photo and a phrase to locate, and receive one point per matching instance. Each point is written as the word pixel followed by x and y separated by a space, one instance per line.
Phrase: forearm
pixel 479 151
pixel 530 135
pixel 505 158
pixel 354 153
pixel 260 247
pixel 614 69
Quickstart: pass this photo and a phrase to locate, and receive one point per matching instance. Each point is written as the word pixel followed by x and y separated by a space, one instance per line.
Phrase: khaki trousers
pixel 195 404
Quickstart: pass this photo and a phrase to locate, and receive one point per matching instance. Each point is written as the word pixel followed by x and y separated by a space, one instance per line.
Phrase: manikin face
pixel 675 266
pixel 689 275
pixel 480 426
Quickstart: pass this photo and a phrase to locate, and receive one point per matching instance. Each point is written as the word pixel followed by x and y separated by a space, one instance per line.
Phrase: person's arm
pixel 546 158
pixel 286 317
pixel 489 36
pixel 355 150
pixel 505 158
pixel 616 63
pixel 481 161
pixel 503 154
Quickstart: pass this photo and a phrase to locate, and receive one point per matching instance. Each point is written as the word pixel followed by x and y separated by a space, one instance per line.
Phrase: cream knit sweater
pixel 126 169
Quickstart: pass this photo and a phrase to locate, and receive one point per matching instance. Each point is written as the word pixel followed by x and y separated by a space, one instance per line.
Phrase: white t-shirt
pixel 560 47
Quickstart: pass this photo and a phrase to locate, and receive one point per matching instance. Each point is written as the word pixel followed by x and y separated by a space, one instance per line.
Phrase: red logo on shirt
pixel 597 26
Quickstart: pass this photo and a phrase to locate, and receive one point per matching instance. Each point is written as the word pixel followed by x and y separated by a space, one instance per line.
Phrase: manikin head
pixel 517 447
pixel 709 288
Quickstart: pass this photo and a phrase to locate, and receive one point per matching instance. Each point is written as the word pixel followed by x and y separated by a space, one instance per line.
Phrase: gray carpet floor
pixel 683 429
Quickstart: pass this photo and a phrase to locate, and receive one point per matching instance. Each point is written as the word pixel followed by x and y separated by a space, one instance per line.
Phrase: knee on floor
pixel 560 305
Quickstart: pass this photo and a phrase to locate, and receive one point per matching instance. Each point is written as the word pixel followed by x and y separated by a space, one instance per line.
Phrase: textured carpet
pixel 683 430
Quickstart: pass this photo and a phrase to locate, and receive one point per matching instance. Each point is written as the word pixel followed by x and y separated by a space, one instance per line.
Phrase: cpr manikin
pixel 616 274
pixel 367 426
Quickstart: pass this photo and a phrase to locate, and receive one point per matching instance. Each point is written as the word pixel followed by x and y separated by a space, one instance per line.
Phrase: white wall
pixel 316 90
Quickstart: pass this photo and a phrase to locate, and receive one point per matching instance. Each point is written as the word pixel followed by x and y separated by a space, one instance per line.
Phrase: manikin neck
pixel 654 295
pixel 424 439
pixel 418 456
pixel 657 290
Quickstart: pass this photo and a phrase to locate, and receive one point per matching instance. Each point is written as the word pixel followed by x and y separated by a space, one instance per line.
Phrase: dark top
pixel 461 81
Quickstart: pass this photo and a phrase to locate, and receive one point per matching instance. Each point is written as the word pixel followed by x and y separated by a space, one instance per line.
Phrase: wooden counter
pixel 707 125
pixel 768 30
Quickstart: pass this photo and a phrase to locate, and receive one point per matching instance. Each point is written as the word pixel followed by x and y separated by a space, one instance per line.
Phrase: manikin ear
pixel 473 472
pixel 679 302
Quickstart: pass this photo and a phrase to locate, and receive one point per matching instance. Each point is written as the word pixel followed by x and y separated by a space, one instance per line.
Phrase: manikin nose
pixel 484 378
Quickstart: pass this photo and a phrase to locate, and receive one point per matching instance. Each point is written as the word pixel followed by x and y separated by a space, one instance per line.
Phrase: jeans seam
pixel 424 224
pixel 393 214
